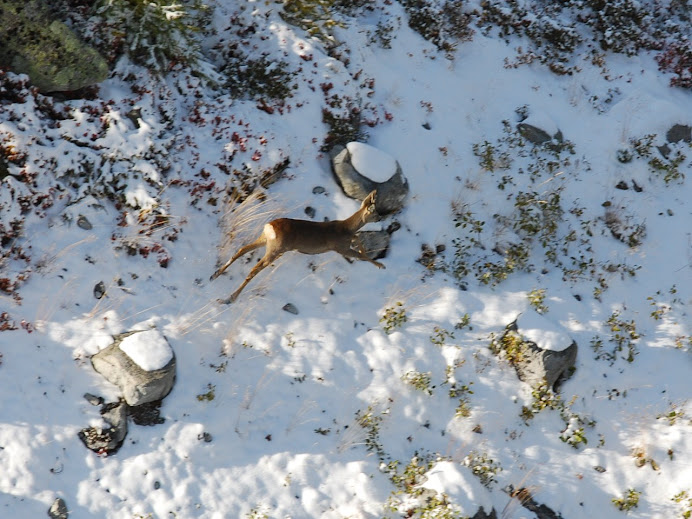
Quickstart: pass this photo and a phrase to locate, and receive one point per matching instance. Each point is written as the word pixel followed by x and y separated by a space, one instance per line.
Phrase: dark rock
pixel 533 133
pixel 679 132
pixel 99 290
pixel 135 115
pixel 482 515
pixel 523 495
pixel 83 223
pixel 93 399
pixel 147 414
pixel 139 385
pixel 290 308
pixel 318 190
pixel 45 49
pixel 637 188
pixel 108 440
pixel 393 227
pixel 310 211
pixel 391 193
pixel 622 185
pixel 4 169
pixel 58 510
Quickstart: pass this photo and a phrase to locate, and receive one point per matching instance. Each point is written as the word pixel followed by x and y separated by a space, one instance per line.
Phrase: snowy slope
pixel 322 414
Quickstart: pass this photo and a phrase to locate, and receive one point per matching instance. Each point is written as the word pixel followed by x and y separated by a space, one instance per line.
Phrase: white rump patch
pixel 269 232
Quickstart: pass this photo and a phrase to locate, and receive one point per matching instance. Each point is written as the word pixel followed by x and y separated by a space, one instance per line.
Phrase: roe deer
pixel 285 234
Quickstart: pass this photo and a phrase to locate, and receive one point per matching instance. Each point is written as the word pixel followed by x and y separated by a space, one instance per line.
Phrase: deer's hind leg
pixel 259 242
pixel 269 257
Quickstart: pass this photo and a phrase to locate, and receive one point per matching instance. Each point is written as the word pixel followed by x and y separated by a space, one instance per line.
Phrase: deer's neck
pixel 355 221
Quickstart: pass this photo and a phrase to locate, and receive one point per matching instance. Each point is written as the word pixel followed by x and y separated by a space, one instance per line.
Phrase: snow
pixel 370 162
pixel 281 415
pixel 148 349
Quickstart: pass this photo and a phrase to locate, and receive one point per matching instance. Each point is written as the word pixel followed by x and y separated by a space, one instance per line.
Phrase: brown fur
pixel 286 234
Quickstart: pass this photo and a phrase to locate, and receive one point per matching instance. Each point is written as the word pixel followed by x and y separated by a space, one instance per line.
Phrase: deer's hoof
pixel 226 301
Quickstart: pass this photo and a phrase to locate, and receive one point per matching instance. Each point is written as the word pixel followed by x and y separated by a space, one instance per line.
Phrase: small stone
pixel 290 308
pixel 599 468
pixel 93 399
pixel 622 185
pixel 637 188
pixel 310 211
pixel 99 290
pixel 84 223
pixel 426 126
pixel 58 510
pixel 157 485
pixel 664 150
pixel 205 436
pixel 318 190
pixel 134 116
pixel 393 227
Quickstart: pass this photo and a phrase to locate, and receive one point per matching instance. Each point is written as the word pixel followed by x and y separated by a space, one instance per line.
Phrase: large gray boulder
pixel 360 168
pixel 537 365
pixel 45 49
pixel 141 363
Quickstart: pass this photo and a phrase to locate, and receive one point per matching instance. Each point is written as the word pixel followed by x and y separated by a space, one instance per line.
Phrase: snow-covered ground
pixel 383 385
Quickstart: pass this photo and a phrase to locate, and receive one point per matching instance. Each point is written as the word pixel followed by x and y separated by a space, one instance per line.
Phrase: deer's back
pixel 306 236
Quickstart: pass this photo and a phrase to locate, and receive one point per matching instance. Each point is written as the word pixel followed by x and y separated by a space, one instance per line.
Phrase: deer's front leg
pixel 349 252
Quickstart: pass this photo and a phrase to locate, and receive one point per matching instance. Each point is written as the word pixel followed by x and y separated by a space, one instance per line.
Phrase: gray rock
pixel 108 440
pixel 390 194
pixel 58 510
pixel 536 365
pixel 290 308
pixel 99 290
pixel 45 49
pixel 93 399
pixel 482 515
pixel 137 385
pixel 375 243
pixel 84 223
pixel 537 135
pixel 679 132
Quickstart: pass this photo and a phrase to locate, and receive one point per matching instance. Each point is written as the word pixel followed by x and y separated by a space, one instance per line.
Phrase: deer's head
pixel 368 209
